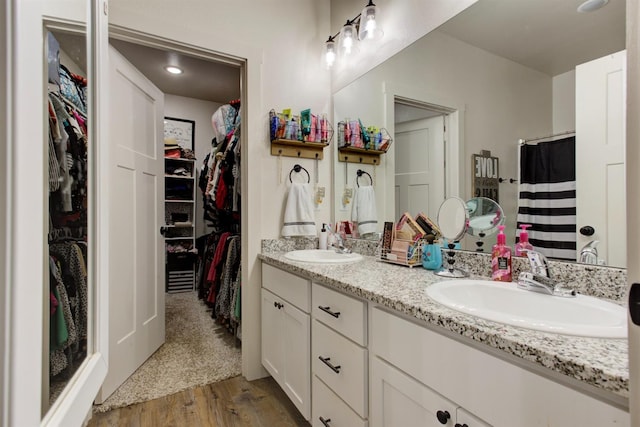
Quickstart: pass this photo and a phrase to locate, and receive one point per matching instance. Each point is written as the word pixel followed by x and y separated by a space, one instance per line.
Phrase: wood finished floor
pixel 229 403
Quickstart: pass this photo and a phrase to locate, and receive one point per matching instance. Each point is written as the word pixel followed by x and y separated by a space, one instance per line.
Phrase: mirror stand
pixel 451 271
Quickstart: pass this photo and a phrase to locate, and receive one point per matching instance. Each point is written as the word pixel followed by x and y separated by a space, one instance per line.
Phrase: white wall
pixel 564 102
pixel 502 102
pixel 403 23
pixel 199 111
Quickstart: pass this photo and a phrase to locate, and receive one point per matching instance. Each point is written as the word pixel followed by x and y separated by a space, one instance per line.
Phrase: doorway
pixel 420 166
pixel 207 84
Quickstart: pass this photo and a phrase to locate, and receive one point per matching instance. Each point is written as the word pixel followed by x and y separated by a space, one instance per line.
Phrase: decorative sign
pixel 485 175
pixel 181 130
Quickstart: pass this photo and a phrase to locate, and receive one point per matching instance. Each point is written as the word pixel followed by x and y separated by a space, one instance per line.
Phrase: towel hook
pixel 360 172
pixel 297 169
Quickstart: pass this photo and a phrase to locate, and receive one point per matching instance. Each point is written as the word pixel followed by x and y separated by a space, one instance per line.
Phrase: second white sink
pixel 505 303
pixel 321 256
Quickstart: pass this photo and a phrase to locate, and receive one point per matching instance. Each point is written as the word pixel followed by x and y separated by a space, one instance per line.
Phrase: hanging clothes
pixel 547 197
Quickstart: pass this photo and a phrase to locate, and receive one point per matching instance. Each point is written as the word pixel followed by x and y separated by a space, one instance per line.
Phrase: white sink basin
pixel 321 256
pixel 505 303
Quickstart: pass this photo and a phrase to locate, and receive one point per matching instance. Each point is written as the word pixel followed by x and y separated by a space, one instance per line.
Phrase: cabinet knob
pixel 443 416
pixel 325 422
pixel 327 310
pixel 277 305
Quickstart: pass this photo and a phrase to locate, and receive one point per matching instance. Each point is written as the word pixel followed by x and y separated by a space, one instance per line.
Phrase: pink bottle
pixel 523 244
pixel 501 258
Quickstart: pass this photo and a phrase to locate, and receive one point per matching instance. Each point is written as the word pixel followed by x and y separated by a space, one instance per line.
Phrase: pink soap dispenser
pixel 523 245
pixel 501 258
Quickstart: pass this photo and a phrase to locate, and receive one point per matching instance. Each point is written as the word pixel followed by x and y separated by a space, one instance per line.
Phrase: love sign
pixel 485 175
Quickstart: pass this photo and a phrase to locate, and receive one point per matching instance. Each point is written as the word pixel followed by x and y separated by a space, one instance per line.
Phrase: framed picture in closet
pixel 180 132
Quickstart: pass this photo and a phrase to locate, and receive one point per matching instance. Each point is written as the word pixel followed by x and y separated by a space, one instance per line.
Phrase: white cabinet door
pixel 399 400
pixel 286 347
pixel 297 364
pixel 272 337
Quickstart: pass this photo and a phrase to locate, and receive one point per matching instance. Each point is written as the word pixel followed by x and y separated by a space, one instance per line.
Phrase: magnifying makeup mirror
pixel 453 220
pixel 485 215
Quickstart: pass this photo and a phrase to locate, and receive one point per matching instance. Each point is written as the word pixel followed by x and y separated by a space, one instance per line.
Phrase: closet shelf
pixel 180 159
pixel 179 177
pixel 178 201
pixel 300 149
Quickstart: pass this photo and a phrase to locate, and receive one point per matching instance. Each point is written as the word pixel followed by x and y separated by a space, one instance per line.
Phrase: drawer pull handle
pixel 461 425
pixel 327 310
pixel 278 305
pixel 325 422
pixel 443 416
pixel 325 360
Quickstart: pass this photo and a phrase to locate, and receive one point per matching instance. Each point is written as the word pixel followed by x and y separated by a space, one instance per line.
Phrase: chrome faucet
pixel 539 280
pixel 589 253
pixel 337 243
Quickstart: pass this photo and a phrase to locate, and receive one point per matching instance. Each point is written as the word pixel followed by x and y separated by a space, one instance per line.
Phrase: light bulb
pixel 369 25
pixel 347 41
pixel 330 52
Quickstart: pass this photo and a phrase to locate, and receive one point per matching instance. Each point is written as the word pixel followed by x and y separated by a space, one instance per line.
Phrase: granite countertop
pixel 602 363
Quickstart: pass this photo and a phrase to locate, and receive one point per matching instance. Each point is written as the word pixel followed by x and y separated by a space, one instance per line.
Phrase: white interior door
pixel 136 294
pixel 419 171
pixel 600 153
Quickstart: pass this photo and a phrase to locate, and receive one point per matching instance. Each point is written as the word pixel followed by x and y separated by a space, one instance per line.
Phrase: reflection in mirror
pixel 67 298
pixel 453 220
pixel 505 84
pixel 485 215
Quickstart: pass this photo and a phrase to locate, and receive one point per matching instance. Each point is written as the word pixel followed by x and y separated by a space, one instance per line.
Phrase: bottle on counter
pixel 523 245
pixel 501 258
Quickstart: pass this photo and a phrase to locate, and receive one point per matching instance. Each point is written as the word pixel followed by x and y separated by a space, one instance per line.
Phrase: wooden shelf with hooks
pixel 359 155
pixel 299 149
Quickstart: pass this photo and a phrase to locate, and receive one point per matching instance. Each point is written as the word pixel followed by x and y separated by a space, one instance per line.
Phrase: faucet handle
pixel 538 262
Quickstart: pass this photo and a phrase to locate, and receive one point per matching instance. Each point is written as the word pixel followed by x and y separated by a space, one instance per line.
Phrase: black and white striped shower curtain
pixel 547 196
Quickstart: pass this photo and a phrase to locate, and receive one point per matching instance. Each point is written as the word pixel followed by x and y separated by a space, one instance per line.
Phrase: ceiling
pixel 205 80
pixel 547 35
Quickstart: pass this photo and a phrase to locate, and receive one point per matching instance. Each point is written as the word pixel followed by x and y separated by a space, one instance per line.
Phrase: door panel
pixel 136 295
pixel 419 166
pixel 600 147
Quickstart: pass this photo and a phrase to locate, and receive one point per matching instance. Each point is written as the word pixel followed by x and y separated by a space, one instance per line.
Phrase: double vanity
pixel 358 342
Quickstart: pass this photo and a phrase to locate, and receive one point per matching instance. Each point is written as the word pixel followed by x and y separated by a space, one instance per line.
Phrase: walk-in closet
pixel 66 301
pixel 201 230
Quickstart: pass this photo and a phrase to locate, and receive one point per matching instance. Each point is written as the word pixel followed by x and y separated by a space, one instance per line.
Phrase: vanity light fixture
pixel 369 26
pixel 173 69
pixel 329 52
pixel 364 27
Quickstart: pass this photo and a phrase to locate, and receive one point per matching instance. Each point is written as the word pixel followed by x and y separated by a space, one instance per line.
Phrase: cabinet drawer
pixel 288 286
pixel 348 377
pixel 328 406
pixel 343 313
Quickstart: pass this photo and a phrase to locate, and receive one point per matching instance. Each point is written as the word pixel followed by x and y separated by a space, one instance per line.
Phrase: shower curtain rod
pixel 524 141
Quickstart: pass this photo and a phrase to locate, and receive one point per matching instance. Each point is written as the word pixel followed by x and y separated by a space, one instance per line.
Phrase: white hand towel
pixel 364 210
pixel 299 219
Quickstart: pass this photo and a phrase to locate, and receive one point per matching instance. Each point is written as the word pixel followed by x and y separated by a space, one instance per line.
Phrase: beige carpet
pixel 197 351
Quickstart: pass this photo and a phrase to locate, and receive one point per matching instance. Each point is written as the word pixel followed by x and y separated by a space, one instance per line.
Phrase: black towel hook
pixel 360 172
pixel 297 169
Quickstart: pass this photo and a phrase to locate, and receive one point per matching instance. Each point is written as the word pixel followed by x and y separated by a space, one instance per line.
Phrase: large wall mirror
pixel 68 298
pixel 498 72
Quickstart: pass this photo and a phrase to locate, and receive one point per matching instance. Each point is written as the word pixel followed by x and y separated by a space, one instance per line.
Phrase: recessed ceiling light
pixel 173 69
pixel 592 5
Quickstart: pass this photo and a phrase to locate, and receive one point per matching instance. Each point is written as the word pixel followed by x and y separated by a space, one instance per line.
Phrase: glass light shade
pixel 329 53
pixel 348 40
pixel 370 23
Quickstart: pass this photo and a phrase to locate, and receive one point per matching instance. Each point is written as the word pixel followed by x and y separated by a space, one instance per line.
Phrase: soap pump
pixel 523 245
pixel 501 258
pixel 323 237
